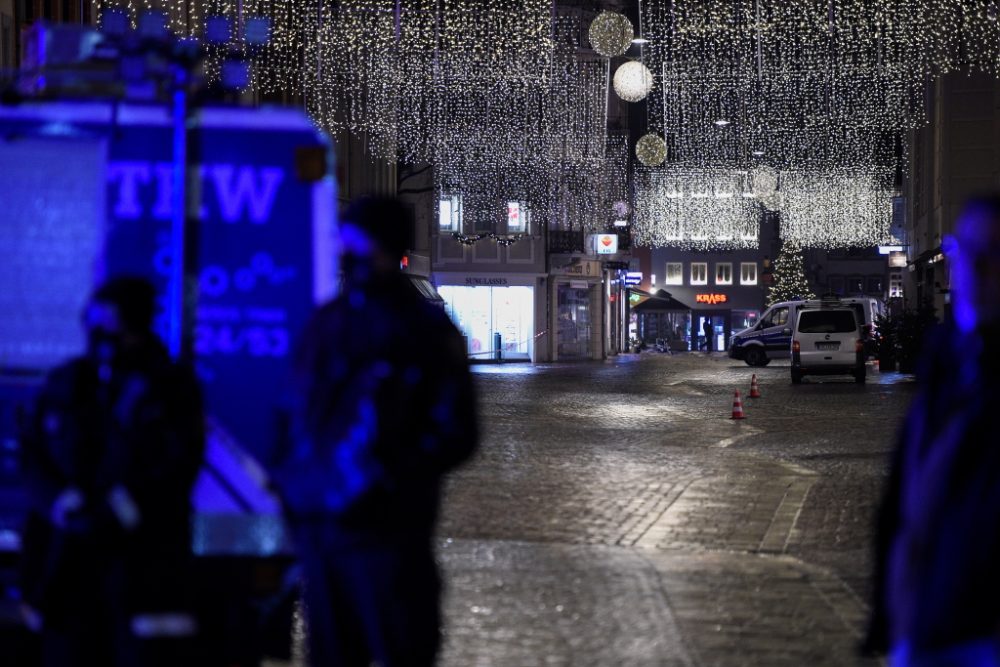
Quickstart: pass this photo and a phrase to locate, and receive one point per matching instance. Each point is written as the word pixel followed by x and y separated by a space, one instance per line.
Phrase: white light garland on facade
pixel 695 209
pixel 803 84
pixel 835 209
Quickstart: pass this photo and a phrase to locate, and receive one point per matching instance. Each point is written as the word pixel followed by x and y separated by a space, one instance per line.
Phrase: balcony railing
pixel 563 242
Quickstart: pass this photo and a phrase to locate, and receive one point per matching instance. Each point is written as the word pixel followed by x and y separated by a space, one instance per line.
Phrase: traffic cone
pixel 754 389
pixel 738 406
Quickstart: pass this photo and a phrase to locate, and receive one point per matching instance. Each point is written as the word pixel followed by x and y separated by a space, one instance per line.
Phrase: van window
pixel 776 318
pixel 827 321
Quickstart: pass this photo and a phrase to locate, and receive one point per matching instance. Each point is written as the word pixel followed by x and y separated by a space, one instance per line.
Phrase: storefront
pixel 574 323
pixel 578 313
pixel 484 306
pixel 713 308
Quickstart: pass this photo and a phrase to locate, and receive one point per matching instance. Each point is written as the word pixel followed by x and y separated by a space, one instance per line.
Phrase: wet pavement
pixel 616 515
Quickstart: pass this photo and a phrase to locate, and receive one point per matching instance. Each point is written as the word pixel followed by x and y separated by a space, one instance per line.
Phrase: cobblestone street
pixel 615 515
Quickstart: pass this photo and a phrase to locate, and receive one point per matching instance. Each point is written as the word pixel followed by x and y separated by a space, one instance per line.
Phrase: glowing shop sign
pixel 711 299
pixel 606 244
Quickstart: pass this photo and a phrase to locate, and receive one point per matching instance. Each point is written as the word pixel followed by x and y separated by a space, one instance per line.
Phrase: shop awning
pixel 425 288
pixel 659 301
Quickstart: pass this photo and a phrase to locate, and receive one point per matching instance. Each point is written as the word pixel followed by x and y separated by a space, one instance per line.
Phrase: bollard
pixel 497 343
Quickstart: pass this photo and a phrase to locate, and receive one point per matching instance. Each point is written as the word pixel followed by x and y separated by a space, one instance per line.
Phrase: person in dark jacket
pixel 111 455
pixel 383 407
pixel 937 583
pixel 706 330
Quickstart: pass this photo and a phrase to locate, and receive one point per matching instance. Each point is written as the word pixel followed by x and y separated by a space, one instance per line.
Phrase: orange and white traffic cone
pixel 738 406
pixel 754 388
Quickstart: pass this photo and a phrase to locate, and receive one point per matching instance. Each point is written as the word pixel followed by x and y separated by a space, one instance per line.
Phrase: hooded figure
pixel 110 456
pixel 937 585
pixel 382 407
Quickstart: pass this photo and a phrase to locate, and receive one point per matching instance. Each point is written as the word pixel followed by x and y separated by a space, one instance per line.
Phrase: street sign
pixel 633 277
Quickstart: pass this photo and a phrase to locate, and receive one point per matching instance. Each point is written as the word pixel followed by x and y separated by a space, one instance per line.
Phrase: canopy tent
pixel 663 318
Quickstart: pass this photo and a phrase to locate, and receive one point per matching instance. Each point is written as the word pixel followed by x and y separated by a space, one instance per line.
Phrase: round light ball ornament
pixel 610 34
pixel 651 150
pixel 633 81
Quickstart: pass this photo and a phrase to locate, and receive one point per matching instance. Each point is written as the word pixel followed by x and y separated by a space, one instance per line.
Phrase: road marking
pixel 786 516
pixel 748 431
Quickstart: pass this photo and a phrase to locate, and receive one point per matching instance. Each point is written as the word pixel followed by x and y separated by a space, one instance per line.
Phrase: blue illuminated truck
pixel 86 194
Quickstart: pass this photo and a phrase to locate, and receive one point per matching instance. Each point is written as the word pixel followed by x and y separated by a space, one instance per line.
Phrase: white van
pixel 771 337
pixel 828 341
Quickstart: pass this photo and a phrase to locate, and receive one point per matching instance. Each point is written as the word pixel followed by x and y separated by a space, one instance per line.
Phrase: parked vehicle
pixel 771 337
pixel 828 341
pixel 93 200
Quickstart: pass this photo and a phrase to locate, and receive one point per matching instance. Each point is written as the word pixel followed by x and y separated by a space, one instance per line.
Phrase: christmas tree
pixel 790 281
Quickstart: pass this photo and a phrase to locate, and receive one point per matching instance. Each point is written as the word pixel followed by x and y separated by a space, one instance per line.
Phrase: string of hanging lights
pixel 797 102
pixel 700 208
pixel 695 208
pixel 834 209
pixel 568 195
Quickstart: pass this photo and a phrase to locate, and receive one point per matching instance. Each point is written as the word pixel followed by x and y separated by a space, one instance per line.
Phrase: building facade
pixel 954 156
pixel 849 272
pixel 725 289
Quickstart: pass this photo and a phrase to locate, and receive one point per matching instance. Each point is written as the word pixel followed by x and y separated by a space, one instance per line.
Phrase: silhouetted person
pixel 383 406
pixel 706 330
pixel 937 599
pixel 111 454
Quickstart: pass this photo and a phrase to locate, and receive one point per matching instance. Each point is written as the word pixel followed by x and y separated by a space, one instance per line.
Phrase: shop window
pixel 856 285
pixel 675 274
pixel 518 217
pixel 699 273
pixel 723 273
pixel 874 285
pixel 482 312
pixel 896 286
pixel 450 213
pixel 748 273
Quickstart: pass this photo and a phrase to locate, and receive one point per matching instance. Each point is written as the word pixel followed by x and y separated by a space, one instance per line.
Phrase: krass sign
pixel 711 299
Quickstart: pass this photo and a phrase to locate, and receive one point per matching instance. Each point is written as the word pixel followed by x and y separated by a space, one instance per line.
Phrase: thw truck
pixel 86 194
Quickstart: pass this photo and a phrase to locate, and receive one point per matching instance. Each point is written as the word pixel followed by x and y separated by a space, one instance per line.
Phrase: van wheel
pixel 756 357
pixel 796 376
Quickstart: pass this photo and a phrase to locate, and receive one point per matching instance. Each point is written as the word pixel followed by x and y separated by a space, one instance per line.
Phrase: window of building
pixel 856 285
pixel 450 213
pixel 518 217
pixel 748 273
pixel 874 285
pixel 837 285
pixel 723 273
pixel 896 286
pixel 675 274
pixel 699 273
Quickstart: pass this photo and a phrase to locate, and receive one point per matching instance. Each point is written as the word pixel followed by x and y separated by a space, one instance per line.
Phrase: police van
pixel 771 337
